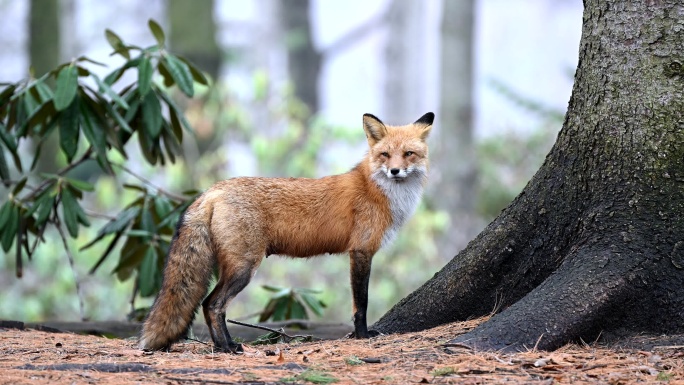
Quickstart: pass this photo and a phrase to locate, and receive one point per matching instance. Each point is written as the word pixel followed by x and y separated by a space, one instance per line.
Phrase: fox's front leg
pixel 360 263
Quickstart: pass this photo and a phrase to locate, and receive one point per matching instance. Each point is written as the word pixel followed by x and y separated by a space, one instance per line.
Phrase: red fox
pixel 238 222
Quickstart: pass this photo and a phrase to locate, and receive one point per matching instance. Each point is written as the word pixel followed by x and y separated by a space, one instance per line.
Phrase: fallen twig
pixel 286 337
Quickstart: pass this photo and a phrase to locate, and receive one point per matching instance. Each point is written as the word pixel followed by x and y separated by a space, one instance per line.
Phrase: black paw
pixel 369 334
pixel 232 348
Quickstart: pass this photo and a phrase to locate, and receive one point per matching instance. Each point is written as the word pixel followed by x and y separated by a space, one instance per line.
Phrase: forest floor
pixel 31 357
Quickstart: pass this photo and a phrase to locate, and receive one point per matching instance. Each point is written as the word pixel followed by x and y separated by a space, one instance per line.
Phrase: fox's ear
pixel 375 129
pixel 424 124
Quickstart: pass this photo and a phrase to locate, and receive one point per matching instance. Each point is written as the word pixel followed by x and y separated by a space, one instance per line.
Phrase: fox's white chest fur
pixel 403 197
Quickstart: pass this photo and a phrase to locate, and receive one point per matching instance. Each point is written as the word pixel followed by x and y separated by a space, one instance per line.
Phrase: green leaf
pixel 89 60
pixel 166 74
pixel 283 293
pixel 114 76
pixel 105 88
pixel 14 117
pixel 44 113
pixel 40 202
pixel 9 226
pixel 152 115
pixel 281 310
pixel 174 109
pixel 44 135
pixel 271 288
pixel 172 218
pixel 181 74
pixel 45 209
pixel 140 233
pixel 192 193
pixel 30 102
pixel 268 311
pixel 134 105
pixel 80 214
pixel 144 76
pixel 6 94
pixel 176 126
pixel 297 311
pixel 42 205
pixel 171 144
pixel 70 208
pixel 132 253
pixel 68 130
pixel 197 75
pixel 11 144
pixel 118 118
pixel 107 251
pixel 158 32
pixel 135 187
pixel 313 303
pixel 116 43
pixel 4 170
pixel 113 39
pixel 5 214
pixel 117 225
pixel 80 185
pixel 150 148
pixel 146 221
pixel 147 273
pixel 67 85
pixel 19 186
pixel 7 138
pixel 82 72
pixel 162 207
pixel 44 90
pixel 95 135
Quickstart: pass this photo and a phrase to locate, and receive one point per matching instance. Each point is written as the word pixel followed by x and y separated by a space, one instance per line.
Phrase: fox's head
pixel 398 153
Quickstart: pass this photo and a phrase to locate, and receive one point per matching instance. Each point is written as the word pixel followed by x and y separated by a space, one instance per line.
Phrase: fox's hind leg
pixel 233 277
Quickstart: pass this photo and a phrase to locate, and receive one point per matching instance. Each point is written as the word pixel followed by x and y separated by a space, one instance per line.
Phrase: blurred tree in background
pixel 44 36
pixel 455 188
pixel 44 55
pixel 303 60
pixel 195 40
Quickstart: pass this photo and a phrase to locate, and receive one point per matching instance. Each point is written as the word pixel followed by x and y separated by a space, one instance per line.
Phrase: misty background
pixel 293 78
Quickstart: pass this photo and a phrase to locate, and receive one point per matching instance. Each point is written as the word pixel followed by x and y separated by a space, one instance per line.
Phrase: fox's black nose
pixel 394 171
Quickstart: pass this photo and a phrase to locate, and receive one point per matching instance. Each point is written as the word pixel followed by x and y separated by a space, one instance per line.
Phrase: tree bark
pixel 594 245
pixel 303 60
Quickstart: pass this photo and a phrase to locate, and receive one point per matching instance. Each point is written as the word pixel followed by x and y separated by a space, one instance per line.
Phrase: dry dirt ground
pixel 36 357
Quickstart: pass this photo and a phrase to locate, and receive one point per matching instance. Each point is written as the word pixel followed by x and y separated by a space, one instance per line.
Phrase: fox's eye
pixel 408 153
pixel 385 154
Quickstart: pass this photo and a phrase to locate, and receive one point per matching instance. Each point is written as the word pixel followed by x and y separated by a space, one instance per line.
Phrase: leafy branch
pixel 291 303
pixel 95 119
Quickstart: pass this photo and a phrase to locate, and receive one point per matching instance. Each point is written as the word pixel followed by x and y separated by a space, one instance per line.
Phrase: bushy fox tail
pixel 187 273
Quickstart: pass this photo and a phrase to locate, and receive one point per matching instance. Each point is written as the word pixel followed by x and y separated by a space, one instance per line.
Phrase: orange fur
pixel 239 221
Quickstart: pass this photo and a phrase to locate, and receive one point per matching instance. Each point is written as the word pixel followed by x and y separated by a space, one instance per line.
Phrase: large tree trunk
pixel 594 245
